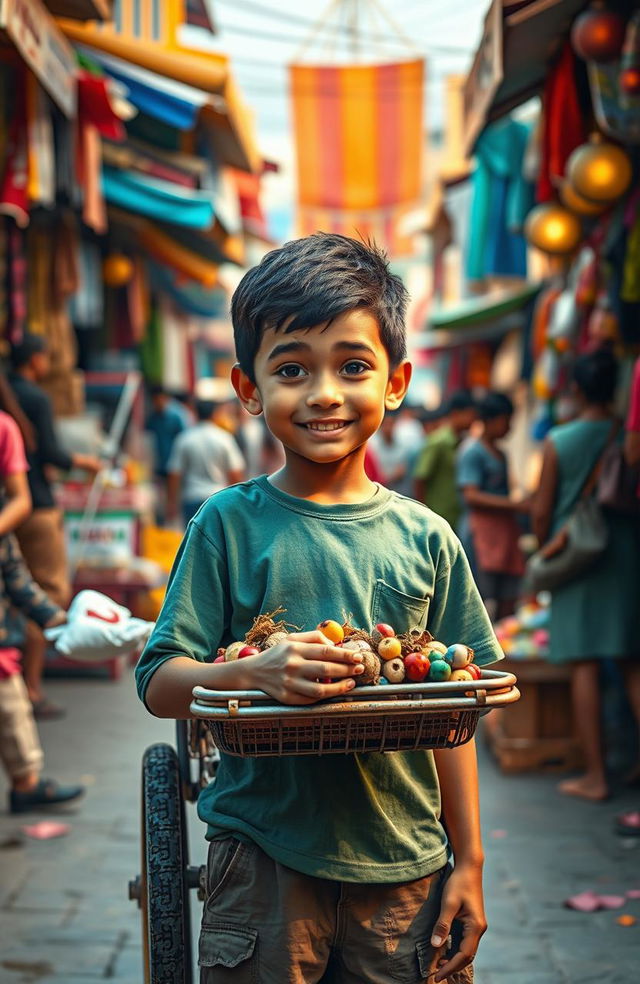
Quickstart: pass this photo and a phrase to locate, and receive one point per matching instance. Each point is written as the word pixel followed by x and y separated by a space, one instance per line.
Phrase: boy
pixel 330 867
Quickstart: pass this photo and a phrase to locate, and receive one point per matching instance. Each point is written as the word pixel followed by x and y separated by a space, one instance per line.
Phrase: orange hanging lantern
pixel 553 229
pixel 117 270
pixel 599 171
pixel 576 203
pixel 598 34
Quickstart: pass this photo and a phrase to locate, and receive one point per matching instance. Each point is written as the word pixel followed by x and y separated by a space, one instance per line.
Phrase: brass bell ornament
pixel 576 203
pixel 599 171
pixel 553 229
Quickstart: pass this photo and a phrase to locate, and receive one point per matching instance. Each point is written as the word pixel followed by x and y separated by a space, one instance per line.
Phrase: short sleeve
pixel 12 455
pixel 176 458
pixel 196 609
pixel 633 416
pixel 234 458
pixel 427 462
pixel 458 614
pixel 469 468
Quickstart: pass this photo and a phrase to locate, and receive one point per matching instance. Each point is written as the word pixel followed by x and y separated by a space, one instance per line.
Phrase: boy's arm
pixel 23 591
pixel 462 897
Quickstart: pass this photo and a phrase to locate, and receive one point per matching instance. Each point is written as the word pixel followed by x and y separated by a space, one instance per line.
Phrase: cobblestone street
pixel 65 916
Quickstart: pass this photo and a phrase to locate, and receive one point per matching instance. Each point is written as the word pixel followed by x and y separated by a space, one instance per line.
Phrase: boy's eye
pixel 355 368
pixel 290 371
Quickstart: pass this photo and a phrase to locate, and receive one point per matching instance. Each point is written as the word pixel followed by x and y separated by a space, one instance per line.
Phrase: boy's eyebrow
pixel 287 347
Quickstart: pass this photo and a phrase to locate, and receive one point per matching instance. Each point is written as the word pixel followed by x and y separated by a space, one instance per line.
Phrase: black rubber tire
pixel 164 900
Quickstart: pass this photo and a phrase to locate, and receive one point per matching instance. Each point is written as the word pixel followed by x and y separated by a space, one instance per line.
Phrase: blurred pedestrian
pixel 41 535
pixel 596 616
pixel 205 458
pixel 20 749
pixel 392 453
pixel 164 423
pixel 434 472
pixel 483 478
pixel 183 401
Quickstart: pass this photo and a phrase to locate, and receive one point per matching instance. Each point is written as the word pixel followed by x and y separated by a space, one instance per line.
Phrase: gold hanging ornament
pixel 553 229
pixel 599 171
pixel 576 203
pixel 117 270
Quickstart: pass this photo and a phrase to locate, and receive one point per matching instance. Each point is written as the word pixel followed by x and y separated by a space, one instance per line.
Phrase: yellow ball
pixel 600 172
pixel 553 229
pixel 332 630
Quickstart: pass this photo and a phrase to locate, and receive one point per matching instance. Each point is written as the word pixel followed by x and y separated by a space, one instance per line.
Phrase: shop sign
pixel 44 48
pixel 109 536
pixel 485 76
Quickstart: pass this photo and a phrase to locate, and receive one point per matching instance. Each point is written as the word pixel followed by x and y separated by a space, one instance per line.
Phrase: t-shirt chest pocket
pixel 402 611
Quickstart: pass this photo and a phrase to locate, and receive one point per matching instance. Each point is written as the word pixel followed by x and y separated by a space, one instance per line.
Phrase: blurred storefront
pixel 129 193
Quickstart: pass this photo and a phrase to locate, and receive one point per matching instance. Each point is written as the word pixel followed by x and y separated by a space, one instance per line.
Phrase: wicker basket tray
pixel 372 719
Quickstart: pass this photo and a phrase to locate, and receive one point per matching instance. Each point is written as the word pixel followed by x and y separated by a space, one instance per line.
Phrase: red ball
pixel 474 670
pixel 630 81
pixel 248 651
pixel 598 35
pixel 416 667
pixel 219 659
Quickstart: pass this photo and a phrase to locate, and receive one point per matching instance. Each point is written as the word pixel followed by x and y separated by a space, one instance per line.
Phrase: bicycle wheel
pixel 164 892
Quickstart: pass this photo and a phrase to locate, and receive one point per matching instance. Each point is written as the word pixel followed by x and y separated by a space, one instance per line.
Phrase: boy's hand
pixel 462 900
pixel 291 671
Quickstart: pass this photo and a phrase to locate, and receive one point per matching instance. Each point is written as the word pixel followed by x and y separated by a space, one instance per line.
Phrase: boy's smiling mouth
pixel 324 425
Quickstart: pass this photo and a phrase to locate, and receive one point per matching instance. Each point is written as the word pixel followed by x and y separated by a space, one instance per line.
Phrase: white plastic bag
pixel 97 629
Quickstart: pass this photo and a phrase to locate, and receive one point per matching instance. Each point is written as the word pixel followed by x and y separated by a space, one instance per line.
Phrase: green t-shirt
pixel 436 466
pixel 252 548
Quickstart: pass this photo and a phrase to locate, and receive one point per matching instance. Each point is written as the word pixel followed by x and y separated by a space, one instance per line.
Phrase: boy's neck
pixel 338 482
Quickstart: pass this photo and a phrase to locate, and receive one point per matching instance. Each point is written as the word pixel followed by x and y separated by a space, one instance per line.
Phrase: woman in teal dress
pixel 597 615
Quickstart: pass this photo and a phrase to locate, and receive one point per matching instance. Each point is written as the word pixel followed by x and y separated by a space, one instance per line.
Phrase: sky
pixel 263 36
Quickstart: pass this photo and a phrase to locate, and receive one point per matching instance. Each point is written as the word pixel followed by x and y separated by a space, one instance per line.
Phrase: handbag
pixel 618 483
pixel 579 544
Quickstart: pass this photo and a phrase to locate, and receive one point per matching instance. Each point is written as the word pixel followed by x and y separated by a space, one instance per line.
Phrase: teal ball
pixel 440 671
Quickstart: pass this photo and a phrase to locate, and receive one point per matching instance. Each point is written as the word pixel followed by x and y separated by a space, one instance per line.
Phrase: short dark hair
pixel 204 409
pixel 596 375
pixel 30 345
pixel 459 400
pixel 312 281
pixel 157 389
pixel 494 405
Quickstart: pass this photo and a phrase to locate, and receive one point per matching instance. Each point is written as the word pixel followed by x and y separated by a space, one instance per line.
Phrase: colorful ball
pixel 440 671
pixel 458 656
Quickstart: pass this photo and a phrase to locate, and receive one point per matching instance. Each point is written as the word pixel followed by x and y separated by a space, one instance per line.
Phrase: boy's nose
pixel 324 393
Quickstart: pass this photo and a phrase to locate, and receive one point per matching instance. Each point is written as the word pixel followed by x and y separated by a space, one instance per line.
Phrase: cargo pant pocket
pixel 427 961
pixel 226 954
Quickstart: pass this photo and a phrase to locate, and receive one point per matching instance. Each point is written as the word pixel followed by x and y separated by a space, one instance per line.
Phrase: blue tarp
pixel 157 199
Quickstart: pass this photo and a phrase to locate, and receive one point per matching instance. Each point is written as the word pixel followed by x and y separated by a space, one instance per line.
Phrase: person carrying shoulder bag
pixel 595 613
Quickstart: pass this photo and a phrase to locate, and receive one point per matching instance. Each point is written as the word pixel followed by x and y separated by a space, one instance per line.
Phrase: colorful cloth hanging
pixel 564 126
pixel 358 133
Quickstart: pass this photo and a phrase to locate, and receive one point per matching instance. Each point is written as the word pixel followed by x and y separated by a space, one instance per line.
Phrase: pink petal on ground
pixel 47 829
pixel 584 902
pixel 633 893
pixel 612 901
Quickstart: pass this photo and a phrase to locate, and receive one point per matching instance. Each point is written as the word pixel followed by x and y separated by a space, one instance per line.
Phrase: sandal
pixel 45 710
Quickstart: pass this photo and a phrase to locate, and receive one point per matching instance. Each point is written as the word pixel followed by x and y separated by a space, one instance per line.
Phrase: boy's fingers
pixel 311 669
pixel 457 963
pixel 308 691
pixel 330 653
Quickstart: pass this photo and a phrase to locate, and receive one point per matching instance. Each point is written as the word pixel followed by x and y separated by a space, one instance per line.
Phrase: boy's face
pixel 324 390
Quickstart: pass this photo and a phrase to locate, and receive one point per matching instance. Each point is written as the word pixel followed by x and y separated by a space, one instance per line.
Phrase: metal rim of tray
pixel 495 688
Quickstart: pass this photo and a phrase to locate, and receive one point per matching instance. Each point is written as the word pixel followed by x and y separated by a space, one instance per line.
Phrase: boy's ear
pixel 247 391
pixel 397 385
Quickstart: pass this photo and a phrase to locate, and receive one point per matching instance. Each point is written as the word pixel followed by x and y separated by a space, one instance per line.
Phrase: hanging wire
pixel 337 28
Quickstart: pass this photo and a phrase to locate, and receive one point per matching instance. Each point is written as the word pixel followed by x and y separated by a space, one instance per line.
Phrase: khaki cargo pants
pixel 264 923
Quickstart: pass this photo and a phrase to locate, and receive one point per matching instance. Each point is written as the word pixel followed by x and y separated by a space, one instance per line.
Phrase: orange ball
pixel 599 171
pixel 553 229
pixel 117 270
pixel 389 648
pixel 332 630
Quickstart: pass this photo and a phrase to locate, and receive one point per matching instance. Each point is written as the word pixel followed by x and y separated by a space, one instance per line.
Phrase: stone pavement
pixel 65 917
